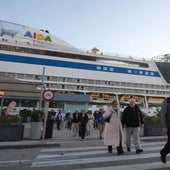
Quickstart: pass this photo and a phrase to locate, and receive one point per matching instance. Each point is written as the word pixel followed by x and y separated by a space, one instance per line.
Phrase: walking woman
pixel 113 132
pixel 89 125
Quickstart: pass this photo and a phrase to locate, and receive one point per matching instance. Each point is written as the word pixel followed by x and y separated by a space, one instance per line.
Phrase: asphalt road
pixel 82 154
pixel 65 152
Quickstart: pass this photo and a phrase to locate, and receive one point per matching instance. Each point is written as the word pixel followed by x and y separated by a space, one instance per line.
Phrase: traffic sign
pixel 48 95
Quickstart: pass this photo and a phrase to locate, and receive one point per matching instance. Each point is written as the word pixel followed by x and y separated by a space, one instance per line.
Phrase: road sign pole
pixel 45 118
pixel 48 96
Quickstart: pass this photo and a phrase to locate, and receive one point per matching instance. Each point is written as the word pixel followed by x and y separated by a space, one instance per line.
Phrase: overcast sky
pixel 138 28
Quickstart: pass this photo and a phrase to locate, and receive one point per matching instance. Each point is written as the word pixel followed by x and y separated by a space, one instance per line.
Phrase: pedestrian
pixel 89 123
pixel 74 125
pixel 83 124
pixel 165 121
pixel 95 119
pixel 69 120
pixel 113 132
pixel 58 119
pixel 100 122
pixel 79 123
pixel 132 119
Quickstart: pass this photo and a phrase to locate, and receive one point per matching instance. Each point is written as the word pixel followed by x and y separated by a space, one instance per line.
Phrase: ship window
pixel 91 82
pixel 130 71
pixel 20 76
pixel 60 79
pixel 53 85
pixel 135 72
pixel 98 82
pixel 54 78
pixel 69 80
pixel 38 77
pixel 140 72
pixel 11 75
pixel 28 76
pixel 3 73
pixel 46 78
pixel 105 68
pixel 146 73
pixel 84 81
pixel 152 73
pixel 99 68
pixel 111 69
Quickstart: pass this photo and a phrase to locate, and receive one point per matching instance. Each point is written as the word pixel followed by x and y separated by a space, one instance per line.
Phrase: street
pixel 90 153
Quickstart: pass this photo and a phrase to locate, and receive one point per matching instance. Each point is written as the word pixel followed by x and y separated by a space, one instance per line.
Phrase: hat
pixel 101 108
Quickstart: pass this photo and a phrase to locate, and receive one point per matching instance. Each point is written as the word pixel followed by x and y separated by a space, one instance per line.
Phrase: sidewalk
pixel 62 135
pixel 58 135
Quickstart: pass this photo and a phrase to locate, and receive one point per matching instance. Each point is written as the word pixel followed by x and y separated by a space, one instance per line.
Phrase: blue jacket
pixel 100 118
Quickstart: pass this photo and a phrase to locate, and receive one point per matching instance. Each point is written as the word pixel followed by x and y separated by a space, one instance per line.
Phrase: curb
pixel 28 146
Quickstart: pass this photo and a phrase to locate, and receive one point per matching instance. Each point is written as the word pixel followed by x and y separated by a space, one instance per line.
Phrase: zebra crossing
pixel 97 158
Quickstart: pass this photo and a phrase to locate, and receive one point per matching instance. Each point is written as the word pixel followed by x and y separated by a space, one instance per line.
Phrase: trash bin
pixel 49 128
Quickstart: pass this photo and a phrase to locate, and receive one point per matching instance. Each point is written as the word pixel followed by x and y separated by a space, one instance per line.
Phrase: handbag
pixel 107 119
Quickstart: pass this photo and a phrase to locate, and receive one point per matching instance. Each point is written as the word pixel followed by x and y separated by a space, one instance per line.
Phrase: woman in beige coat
pixel 113 132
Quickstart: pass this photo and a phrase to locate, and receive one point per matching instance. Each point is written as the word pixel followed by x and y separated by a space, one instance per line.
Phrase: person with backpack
pixel 58 120
pixel 165 121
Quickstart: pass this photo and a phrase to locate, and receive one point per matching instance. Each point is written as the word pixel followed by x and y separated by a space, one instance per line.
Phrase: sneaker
pixel 128 149
pixel 139 151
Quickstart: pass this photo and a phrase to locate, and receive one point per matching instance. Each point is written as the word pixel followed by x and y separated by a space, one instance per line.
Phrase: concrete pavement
pixel 59 136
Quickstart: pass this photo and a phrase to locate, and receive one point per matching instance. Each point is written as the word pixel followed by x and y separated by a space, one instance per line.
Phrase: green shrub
pixel 36 115
pixel 10 119
pixel 24 115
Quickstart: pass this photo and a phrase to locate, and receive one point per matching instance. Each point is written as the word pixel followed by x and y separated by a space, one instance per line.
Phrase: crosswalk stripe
pixel 92 160
pixel 71 154
pixel 145 166
pixel 47 156
pixel 72 149
pixel 80 155
pixel 95 147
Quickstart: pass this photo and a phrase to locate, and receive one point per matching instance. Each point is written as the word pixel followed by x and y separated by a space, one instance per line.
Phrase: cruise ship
pixel 80 79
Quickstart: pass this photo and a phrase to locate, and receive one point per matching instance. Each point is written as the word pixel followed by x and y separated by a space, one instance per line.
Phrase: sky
pixel 137 28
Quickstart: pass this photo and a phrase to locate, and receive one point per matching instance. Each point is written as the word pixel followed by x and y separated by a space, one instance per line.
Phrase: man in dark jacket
pixel 132 118
pixel 165 120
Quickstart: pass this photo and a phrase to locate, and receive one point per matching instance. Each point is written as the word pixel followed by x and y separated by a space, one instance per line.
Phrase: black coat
pixel 132 117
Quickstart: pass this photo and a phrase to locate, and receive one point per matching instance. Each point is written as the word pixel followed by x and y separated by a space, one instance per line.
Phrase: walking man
pixel 132 118
pixel 165 120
